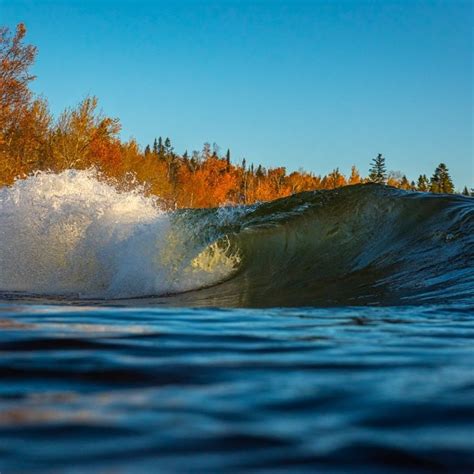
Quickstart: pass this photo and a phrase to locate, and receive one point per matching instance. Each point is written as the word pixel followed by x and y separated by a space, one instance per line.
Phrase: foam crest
pixel 72 234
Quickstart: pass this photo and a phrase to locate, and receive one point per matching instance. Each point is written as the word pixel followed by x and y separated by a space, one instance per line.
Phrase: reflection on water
pixel 148 390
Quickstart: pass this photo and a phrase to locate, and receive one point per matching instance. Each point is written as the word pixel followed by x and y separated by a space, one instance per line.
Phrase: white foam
pixel 74 234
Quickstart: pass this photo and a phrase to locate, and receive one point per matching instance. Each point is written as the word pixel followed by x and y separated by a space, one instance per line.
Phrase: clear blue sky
pixel 313 84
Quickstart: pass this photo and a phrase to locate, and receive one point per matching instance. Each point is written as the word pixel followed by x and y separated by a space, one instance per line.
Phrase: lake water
pixel 93 389
pixel 325 332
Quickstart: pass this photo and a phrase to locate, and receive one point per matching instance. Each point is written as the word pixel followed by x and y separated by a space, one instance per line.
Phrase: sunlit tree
pixel 441 180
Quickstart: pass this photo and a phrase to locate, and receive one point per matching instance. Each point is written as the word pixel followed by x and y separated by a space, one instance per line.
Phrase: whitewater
pixel 328 331
pixel 74 235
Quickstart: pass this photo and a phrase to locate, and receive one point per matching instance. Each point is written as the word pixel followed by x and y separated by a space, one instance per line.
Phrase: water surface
pixel 323 332
pixel 94 389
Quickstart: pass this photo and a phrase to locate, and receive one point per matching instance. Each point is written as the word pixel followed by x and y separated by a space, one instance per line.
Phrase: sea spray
pixel 72 234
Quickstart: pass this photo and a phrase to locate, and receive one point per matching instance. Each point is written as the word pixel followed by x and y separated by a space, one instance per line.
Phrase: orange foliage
pixel 81 137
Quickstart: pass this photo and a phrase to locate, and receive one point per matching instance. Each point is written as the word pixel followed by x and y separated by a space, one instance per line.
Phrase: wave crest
pixel 74 236
pixel 71 234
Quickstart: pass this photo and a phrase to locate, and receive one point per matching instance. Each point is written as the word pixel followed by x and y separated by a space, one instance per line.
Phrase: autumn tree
pixel 299 181
pixel 354 178
pixel 24 122
pixel 405 184
pixel 84 137
pixel 277 179
pixel 16 59
pixel 335 179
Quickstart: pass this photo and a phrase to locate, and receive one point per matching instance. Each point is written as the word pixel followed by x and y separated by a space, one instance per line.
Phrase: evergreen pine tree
pixel 168 150
pixel 465 191
pixel 227 158
pixel 155 147
pixel 167 146
pixel 441 181
pixel 378 172
pixel 423 184
pixel 147 150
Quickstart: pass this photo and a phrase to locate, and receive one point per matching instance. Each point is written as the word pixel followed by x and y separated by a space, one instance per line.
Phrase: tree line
pixel 31 139
pixel 440 181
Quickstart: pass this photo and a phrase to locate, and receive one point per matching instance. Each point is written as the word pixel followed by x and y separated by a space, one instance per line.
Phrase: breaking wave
pixel 71 235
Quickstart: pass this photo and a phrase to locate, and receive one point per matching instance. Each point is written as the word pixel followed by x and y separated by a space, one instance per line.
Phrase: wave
pixel 73 236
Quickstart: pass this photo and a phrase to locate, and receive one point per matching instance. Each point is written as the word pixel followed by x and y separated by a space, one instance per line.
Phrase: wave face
pixel 72 236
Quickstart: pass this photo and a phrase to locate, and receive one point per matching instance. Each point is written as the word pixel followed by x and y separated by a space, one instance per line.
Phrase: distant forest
pixel 82 137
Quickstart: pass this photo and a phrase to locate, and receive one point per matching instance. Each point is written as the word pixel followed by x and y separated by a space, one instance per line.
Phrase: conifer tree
pixel 423 184
pixel 465 191
pixel 155 147
pixel 147 150
pixel 441 180
pixel 378 171
pixel 169 154
pixel 167 148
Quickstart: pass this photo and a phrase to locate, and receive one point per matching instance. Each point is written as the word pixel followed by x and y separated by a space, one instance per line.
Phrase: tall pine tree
pixel 378 172
pixel 441 181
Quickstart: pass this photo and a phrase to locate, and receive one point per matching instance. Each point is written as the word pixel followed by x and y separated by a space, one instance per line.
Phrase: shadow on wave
pixel 358 245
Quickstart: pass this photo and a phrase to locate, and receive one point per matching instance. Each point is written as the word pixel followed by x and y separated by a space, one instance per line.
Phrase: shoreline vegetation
pixel 32 140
